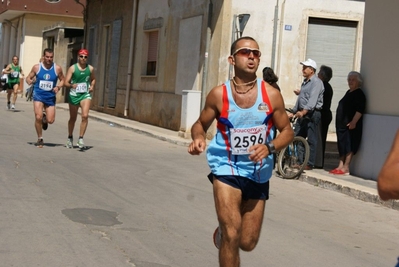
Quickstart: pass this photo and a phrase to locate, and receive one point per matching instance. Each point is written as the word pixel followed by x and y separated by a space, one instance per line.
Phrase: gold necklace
pixel 243 84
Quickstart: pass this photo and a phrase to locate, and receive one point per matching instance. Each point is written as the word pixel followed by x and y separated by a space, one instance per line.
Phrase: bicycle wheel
pixel 29 93
pixel 293 159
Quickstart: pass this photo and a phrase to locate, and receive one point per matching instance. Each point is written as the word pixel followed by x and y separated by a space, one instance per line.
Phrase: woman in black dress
pixel 325 74
pixel 349 122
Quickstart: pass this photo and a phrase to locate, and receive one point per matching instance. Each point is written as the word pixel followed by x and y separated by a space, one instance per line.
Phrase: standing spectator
pixel 4 79
pixel 80 78
pixel 45 75
pixel 245 109
pixel 14 72
pixel 349 122
pixel 308 108
pixel 325 74
pixel 270 77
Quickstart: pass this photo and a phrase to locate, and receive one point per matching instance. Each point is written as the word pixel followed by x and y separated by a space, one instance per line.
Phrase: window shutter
pixel 152 46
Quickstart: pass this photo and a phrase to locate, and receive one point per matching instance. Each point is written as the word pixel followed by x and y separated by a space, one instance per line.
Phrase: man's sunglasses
pixel 244 51
pixel 83 56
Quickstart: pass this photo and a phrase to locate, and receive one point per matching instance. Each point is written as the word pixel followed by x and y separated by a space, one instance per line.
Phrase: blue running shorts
pixel 249 189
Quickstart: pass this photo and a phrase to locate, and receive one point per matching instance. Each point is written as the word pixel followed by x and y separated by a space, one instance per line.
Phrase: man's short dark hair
pixel 233 45
pixel 48 50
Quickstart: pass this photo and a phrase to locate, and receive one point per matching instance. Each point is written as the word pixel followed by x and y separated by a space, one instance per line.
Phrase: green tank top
pixel 13 77
pixel 82 79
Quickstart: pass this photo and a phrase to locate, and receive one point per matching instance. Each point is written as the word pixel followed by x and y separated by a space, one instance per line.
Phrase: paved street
pixel 133 200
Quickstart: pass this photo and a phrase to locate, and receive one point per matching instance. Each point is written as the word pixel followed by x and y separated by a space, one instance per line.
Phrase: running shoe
pixel 69 143
pixel 44 122
pixel 12 106
pixel 80 143
pixel 8 105
pixel 39 143
pixel 217 238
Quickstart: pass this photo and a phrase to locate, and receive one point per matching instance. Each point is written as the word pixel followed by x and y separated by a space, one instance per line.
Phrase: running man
pixel 80 78
pixel 240 156
pixel 45 75
pixel 14 71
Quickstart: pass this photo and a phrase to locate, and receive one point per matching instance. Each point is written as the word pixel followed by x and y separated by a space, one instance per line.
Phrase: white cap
pixel 310 63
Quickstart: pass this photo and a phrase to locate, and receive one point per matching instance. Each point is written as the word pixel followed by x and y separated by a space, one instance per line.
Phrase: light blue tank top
pixel 219 153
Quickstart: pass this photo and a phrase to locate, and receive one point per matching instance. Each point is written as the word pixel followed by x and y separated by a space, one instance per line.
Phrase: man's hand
pixel 297 91
pixel 197 146
pixel 299 114
pixel 258 152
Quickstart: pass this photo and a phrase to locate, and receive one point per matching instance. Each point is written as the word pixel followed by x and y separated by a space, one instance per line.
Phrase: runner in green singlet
pixel 14 72
pixel 81 80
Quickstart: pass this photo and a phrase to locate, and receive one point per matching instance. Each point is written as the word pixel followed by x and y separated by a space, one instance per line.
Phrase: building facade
pixel 158 59
pixel 24 23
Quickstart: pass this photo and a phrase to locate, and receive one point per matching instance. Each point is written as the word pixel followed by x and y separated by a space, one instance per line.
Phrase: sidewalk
pixel 350 185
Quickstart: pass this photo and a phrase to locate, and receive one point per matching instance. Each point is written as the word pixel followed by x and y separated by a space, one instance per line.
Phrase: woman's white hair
pixel 358 75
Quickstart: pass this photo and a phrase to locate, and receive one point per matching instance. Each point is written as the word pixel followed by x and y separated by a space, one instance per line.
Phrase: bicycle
pixel 293 159
pixel 29 93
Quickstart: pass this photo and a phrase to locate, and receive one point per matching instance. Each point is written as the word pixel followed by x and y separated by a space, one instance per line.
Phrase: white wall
pixel 291 44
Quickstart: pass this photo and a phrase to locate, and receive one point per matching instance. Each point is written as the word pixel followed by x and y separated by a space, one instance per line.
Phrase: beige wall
pixel 380 60
pixel 379 68
pixel 152 99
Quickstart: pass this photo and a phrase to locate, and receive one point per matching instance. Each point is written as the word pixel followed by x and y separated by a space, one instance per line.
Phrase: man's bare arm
pixel 92 79
pixel 61 76
pixel 31 78
pixel 8 69
pixel 208 114
pixel 281 121
pixel 67 81
pixel 388 179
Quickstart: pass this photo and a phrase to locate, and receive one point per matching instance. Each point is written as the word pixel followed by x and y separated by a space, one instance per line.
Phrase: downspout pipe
pixel 206 60
pixel 131 57
pixel 233 38
pixel 281 22
pixel 275 25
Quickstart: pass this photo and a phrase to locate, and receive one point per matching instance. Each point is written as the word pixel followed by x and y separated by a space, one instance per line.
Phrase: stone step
pixel 331 155
pixel 331 146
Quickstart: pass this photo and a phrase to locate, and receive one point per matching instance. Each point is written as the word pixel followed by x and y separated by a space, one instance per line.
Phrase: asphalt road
pixel 133 200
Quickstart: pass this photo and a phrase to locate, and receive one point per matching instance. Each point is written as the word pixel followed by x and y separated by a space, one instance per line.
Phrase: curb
pixel 350 189
pixel 360 194
pixel 142 131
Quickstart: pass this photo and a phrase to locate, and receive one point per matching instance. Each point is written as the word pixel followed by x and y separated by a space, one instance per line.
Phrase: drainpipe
pixel 233 38
pixel 131 55
pixel 275 24
pixel 206 60
pixel 280 28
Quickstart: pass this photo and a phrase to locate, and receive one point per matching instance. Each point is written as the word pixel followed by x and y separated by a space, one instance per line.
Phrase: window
pixel 50 42
pixel 152 54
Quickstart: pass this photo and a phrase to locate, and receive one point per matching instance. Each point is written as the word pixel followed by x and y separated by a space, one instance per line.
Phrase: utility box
pixel 191 108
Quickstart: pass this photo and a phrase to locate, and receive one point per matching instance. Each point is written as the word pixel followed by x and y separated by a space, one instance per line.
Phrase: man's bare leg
pixel 227 203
